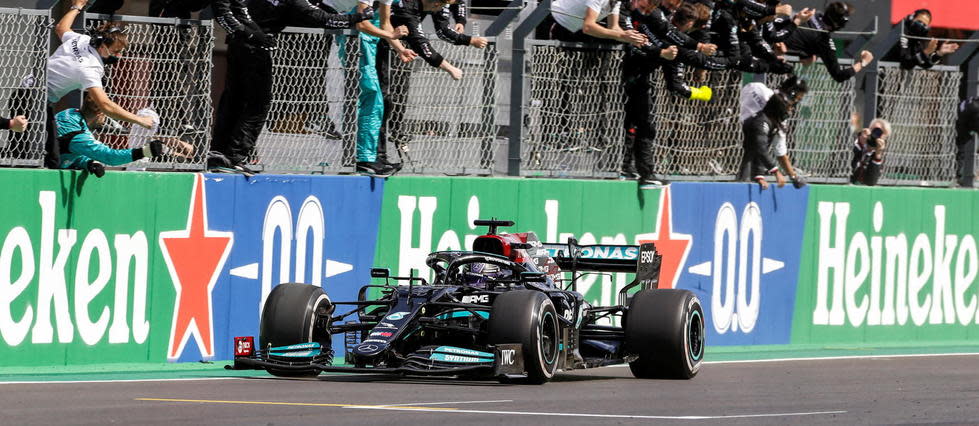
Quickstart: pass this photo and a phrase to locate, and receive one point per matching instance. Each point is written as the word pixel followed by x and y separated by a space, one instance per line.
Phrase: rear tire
pixel 666 329
pixel 528 317
pixel 289 318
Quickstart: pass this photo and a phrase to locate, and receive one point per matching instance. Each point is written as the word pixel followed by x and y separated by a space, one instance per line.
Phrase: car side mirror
pixel 380 273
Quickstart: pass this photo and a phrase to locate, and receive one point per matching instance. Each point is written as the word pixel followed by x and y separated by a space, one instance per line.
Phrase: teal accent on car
pixel 296 354
pixel 462 314
pixel 463 351
pixel 297 347
pixel 459 358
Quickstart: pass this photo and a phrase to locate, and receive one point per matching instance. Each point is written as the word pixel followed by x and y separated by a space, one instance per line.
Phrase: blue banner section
pixel 743 261
pixel 309 229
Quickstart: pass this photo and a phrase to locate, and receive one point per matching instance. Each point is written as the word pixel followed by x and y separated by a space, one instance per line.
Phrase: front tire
pixel 289 318
pixel 665 327
pixel 528 317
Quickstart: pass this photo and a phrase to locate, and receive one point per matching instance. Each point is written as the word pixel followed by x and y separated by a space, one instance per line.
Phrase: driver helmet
pixel 478 274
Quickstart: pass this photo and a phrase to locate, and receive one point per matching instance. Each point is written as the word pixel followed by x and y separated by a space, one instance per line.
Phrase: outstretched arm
pixel 305 14
pixel 64 24
pixel 113 110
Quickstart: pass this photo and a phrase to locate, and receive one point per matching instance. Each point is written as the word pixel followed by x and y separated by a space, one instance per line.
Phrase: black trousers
pixel 244 105
pixel 965 157
pixel 751 164
pixel 640 132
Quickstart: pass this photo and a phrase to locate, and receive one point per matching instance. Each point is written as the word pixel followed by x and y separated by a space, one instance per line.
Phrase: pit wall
pixel 145 267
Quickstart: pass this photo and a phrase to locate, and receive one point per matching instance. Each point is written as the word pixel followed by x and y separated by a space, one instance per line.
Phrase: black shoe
pixel 628 173
pixel 96 168
pixel 216 160
pixel 327 130
pixel 650 183
pixel 374 169
pixel 244 169
pixel 395 167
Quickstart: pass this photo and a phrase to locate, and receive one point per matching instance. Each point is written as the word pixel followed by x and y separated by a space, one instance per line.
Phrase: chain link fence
pixel 574 115
pixel 693 139
pixel 440 125
pixel 921 106
pixel 572 119
pixel 24 46
pixel 820 133
pixel 167 69
pixel 312 121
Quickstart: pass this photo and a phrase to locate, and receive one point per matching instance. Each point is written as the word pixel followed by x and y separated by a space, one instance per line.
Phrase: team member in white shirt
pixel 79 64
pixel 577 21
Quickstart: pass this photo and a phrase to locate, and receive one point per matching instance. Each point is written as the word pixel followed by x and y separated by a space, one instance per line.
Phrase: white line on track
pixel 592 415
pixel 445 402
pixel 495 412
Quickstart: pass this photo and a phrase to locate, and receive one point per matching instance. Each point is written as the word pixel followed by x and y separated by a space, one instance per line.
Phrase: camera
pixel 875 135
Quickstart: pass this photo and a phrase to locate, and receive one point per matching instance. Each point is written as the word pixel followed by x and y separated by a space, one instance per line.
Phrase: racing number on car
pixel 733 305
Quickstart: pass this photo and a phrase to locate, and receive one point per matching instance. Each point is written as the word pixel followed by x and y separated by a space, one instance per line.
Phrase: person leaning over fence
pixel 914 50
pixel 79 64
pixel 578 21
pixel 690 19
pixel 763 122
pixel 655 24
pixel 247 96
pixel 758 53
pixel 369 101
pixel 815 39
pixel 868 153
pixel 410 13
pixel 81 151
pixel 966 131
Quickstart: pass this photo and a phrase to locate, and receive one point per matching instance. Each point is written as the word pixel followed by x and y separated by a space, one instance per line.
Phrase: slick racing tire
pixel 289 318
pixel 665 328
pixel 528 317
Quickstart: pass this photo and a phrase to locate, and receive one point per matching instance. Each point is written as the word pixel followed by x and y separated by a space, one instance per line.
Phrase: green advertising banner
pixel 79 280
pixel 888 266
pixel 423 214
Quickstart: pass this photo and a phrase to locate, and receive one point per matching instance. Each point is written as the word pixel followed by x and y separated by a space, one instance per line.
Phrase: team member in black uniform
pixel 655 24
pixel 814 39
pixel 918 52
pixel 765 127
pixel 410 14
pixel 638 65
pixel 757 52
pixel 244 104
pixel 691 19
pixel 966 129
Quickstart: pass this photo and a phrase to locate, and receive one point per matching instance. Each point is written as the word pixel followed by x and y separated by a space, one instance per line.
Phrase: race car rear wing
pixel 643 260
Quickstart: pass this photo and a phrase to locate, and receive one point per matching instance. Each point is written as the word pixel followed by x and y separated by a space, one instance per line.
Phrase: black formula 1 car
pixel 501 311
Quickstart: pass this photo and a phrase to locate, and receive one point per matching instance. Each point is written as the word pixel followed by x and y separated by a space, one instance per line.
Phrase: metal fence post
pixel 517 83
pixel 509 14
pixel 872 71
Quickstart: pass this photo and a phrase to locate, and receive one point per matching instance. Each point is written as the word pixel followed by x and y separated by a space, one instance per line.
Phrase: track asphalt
pixel 878 390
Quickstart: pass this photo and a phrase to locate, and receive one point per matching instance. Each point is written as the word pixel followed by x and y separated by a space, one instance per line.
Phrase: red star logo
pixel 195 257
pixel 672 246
